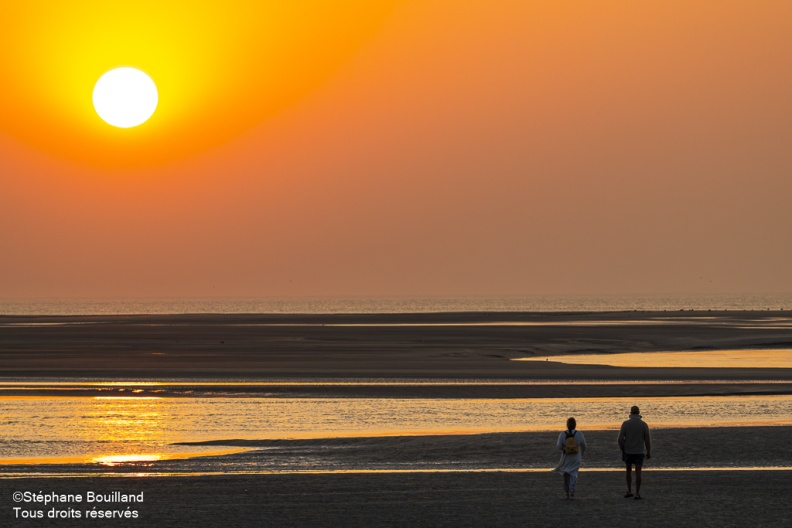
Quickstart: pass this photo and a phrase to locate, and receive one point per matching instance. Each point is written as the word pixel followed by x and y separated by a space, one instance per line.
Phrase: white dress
pixel 570 463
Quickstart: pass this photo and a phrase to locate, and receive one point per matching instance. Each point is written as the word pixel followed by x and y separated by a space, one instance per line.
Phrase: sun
pixel 125 97
pixel 180 76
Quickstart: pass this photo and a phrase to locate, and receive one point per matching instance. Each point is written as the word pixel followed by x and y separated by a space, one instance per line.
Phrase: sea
pixel 369 305
pixel 140 427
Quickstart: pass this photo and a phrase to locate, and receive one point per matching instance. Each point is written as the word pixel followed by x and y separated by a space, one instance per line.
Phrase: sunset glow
pixel 395 149
pixel 220 67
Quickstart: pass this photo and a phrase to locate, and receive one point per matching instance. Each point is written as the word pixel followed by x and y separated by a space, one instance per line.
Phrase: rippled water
pixel 92 429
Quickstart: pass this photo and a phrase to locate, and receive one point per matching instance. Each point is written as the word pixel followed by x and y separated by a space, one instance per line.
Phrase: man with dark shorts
pixel 633 436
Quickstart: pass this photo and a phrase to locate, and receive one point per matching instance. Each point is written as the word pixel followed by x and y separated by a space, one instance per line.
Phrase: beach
pixel 737 498
pixel 706 470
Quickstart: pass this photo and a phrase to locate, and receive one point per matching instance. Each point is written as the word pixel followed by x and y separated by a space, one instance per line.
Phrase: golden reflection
pixel 128 398
pixel 41 460
pixel 123 418
pixel 131 430
pixel 126 425
pixel 124 383
pixel 114 460
pixel 704 359
pixel 103 430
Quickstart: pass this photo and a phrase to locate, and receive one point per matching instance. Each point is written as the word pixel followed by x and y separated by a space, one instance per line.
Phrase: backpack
pixel 570 444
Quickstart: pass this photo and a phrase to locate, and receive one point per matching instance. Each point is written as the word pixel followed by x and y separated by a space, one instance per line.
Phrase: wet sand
pixel 412 346
pixel 671 499
pixel 673 448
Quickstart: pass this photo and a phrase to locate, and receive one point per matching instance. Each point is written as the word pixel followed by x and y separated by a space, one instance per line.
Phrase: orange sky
pixel 420 148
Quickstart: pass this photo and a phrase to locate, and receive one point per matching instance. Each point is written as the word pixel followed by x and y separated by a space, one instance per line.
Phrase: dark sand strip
pixel 362 389
pixel 671 499
pixel 313 346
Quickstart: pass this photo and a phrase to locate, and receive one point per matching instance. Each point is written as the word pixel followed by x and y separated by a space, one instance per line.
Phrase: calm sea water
pixel 103 430
pixel 570 303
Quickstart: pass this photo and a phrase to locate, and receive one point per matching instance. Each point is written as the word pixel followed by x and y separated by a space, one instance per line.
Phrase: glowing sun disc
pixel 125 97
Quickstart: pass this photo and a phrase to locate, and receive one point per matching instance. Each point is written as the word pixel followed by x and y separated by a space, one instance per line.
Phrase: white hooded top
pixel 570 463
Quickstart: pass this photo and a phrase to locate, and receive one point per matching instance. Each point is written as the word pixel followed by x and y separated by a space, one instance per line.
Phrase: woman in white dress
pixel 572 444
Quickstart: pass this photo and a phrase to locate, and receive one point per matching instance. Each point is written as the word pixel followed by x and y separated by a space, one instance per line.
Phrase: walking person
pixel 572 444
pixel 633 438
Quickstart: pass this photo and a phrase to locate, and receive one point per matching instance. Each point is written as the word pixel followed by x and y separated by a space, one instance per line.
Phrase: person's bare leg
pixel 637 481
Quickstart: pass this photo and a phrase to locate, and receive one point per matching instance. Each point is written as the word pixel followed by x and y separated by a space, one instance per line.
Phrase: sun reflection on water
pixel 129 430
pixel 701 359
pixel 118 418
pixel 114 460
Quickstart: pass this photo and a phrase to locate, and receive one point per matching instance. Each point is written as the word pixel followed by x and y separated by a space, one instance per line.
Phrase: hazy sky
pixel 451 148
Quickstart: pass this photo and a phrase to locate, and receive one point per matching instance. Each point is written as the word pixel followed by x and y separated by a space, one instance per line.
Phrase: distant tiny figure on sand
pixel 633 438
pixel 572 444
